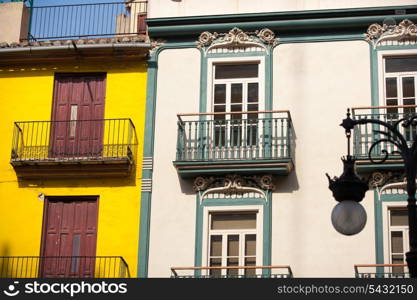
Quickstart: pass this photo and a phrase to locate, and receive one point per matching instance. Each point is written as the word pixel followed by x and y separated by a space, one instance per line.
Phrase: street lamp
pixel 349 217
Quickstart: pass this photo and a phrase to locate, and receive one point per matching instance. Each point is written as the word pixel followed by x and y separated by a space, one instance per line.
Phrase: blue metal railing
pixel 92 20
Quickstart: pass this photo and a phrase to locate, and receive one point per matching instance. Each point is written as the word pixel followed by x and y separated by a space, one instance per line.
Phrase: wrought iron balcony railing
pixel 92 20
pixel 63 267
pixel 233 272
pixel 247 135
pixel 381 271
pixel 73 141
pixel 365 135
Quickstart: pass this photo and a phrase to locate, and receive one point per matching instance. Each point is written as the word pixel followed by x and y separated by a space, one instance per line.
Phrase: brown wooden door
pixel 69 237
pixel 78 113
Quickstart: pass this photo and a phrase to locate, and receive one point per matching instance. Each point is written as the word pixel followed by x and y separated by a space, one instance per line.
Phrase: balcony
pixel 233 272
pixel 81 148
pixel 381 271
pixel 239 142
pixel 365 135
pixel 93 20
pixel 63 267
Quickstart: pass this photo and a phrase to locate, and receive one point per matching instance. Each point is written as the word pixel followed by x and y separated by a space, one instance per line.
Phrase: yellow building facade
pixel 27 94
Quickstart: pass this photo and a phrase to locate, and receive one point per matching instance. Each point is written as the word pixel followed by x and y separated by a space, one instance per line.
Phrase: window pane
pixel 232 262
pixel 397 241
pixel 219 93
pixel 219 108
pixel 233 245
pixel 401 64
pixel 216 245
pixel 236 93
pixel 399 217
pixel 253 92
pixel 408 87
pixel 215 262
pixel 391 87
pixel 250 244
pixel 236 71
pixel 397 259
pixel 250 261
pixel 236 108
pixel 233 221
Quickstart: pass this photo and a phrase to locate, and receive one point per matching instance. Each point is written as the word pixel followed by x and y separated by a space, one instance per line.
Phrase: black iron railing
pixel 365 135
pixel 91 20
pixel 381 271
pixel 233 272
pixel 63 267
pixel 80 140
pixel 235 136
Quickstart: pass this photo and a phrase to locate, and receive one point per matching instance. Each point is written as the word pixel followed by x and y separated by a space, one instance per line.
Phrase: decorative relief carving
pixel 233 184
pixel 383 178
pixel 406 30
pixel 264 38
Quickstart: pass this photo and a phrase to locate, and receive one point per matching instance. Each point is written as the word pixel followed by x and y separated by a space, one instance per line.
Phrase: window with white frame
pixel 233 239
pixel 398 237
pixel 400 77
pixel 236 87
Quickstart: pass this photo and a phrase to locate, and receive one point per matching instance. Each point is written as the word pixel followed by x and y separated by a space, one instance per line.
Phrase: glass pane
pixel 250 261
pixel 397 259
pixel 220 108
pixel 408 87
pixel 233 245
pixel 250 244
pixel 232 262
pixel 236 93
pixel 397 241
pixel 236 108
pixel 236 71
pixel 219 93
pixel 253 95
pixel 399 217
pixel 253 107
pixel 391 87
pixel 233 221
pixel 215 262
pixel 409 110
pixel 216 245
pixel 401 64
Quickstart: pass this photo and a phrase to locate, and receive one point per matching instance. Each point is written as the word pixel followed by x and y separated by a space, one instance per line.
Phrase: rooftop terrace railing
pixel 89 20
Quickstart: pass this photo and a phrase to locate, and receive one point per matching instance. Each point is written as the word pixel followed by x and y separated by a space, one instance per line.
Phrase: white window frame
pixel 235 60
pixel 231 209
pixel 381 71
pixel 386 222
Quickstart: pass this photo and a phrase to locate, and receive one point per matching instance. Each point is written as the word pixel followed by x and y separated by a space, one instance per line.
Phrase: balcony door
pixel 69 237
pixel 77 117
pixel 235 89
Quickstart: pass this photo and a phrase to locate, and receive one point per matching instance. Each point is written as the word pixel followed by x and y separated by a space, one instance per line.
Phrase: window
pixel 235 89
pixel 398 237
pixel 232 242
pixel 400 76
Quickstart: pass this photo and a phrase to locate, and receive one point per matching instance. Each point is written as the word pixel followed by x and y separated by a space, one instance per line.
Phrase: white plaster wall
pixel 178 8
pixel 317 82
pixel 172 228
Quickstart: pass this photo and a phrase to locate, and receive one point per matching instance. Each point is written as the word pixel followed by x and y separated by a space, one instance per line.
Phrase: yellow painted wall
pixel 26 95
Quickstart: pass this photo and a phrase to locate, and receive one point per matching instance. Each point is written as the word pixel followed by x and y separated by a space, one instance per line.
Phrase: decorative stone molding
pixel 264 38
pixel 406 30
pixel 384 178
pixel 233 184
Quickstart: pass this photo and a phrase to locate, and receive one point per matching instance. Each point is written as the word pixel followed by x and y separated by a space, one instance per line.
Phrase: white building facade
pixel 244 103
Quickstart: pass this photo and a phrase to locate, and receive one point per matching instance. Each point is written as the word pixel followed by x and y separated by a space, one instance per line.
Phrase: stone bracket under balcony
pixel 274 167
pixel 234 142
pixel 74 149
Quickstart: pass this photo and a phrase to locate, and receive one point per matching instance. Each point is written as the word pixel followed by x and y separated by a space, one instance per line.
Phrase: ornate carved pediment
pixel 384 178
pixel 264 38
pixel 233 184
pixel 406 30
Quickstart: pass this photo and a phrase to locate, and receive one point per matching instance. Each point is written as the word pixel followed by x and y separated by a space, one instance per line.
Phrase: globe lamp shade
pixel 348 217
